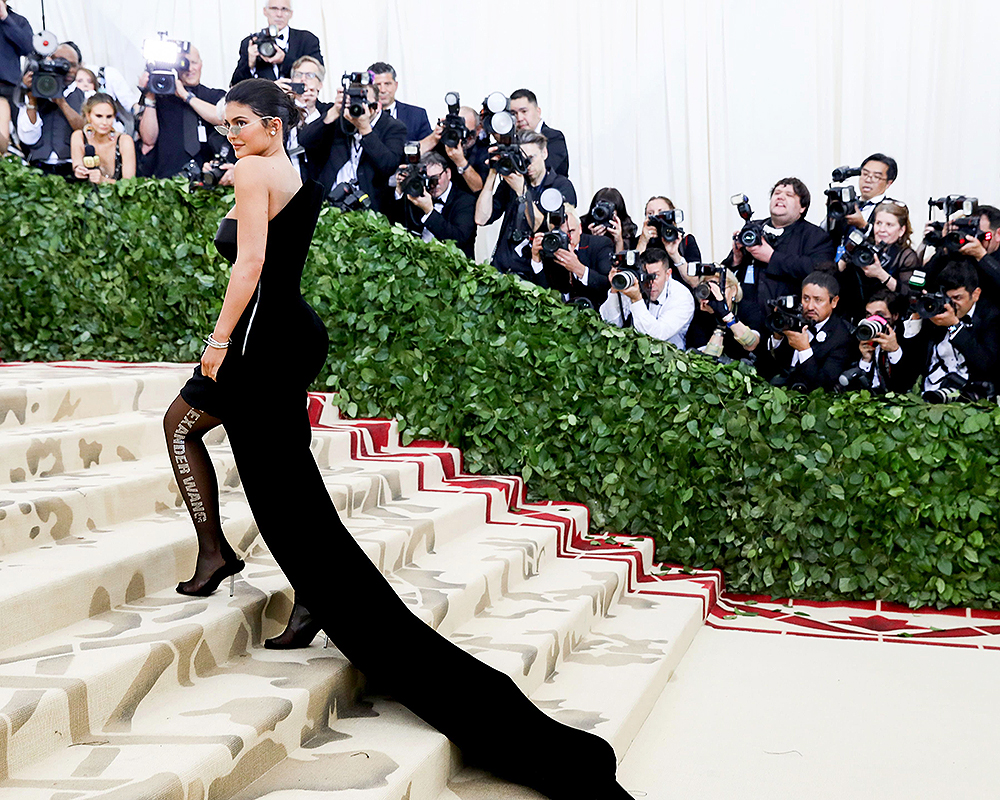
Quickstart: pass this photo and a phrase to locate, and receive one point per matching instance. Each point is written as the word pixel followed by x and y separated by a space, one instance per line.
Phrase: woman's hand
pixel 95 176
pixel 211 360
pixel 615 229
pixel 875 270
pixel 81 172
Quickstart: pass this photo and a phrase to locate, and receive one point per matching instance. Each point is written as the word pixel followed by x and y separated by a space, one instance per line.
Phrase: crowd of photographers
pixel 852 304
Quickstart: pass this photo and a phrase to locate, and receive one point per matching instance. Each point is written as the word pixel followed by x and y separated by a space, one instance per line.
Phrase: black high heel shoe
pixel 301 630
pixel 228 570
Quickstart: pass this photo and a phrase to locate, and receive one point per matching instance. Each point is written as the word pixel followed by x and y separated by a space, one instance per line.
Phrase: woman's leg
pixel 185 428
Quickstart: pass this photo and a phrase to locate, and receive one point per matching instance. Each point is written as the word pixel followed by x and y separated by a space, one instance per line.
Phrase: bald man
pixel 180 127
pixel 290 45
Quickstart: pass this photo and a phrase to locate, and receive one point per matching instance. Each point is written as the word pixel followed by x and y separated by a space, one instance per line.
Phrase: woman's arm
pixel 251 241
pixel 127 145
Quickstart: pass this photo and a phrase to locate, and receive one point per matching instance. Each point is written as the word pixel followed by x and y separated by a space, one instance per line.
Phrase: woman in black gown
pixel 267 347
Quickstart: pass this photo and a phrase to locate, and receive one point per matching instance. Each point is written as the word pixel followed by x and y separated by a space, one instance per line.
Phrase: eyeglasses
pixel 867 173
pixel 237 127
pixel 895 202
pixel 279 10
pixel 304 75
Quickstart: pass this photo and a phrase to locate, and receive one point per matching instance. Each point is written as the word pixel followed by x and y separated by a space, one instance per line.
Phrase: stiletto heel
pixel 300 631
pixel 228 570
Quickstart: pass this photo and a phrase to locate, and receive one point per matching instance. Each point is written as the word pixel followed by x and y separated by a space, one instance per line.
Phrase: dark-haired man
pixel 813 357
pixel 290 45
pixel 365 150
pixel 882 357
pixel 578 272
pixel 528 116
pixel 413 117
pixel 44 127
pixel 878 171
pixel 790 250
pixel 517 202
pixel 984 251
pixel 441 212
pixel 962 344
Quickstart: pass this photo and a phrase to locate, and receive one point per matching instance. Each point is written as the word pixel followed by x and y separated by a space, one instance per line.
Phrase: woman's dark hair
pixel 613 196
pixel 267 99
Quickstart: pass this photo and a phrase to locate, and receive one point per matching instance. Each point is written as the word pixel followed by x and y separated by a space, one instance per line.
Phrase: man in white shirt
pixel 664 313
pixel 290 45
pixel 44 126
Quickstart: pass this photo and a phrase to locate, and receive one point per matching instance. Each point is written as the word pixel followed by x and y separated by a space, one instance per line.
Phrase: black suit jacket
pixel 979 343
pixel 830 358
pixel 415 119
pixel 300 43
pixel 558 157
pixel 381 154
pixel 595 253
pixel 456 221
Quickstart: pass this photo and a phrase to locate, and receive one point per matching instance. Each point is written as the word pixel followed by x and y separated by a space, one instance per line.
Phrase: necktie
pixel 191 144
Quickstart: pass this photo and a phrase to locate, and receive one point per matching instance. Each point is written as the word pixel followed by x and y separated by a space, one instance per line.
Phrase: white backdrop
pixel 695 99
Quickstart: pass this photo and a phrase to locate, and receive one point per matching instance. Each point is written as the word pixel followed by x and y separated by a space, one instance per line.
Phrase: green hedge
pixel 812 496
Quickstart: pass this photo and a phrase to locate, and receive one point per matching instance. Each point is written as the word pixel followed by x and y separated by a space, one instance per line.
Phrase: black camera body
pixel 213 172
pixel 930 304
pixel 454 130
pixel 603 212
pixel 348 196
pixel 853 379
pixel 841 174
pixel 966 227
pixel 862 251
pixel 668 224
pixel 841 202
pixel 631 271
pixel 752 233
pixel 703 291
pixel 785 314
pixel 955 388
pixel 165 60
pixel 499 123
pixel 554 205
pixel 48 73
pixel 356 84
pixel 266 41
pixel 413 178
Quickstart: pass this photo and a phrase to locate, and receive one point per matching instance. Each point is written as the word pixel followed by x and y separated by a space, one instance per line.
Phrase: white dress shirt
pixel 801 356
pixel 667 318
pixel 261 67
pixel 349 172
pixel 30 132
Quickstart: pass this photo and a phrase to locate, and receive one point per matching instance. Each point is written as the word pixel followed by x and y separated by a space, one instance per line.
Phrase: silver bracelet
pixel 211 341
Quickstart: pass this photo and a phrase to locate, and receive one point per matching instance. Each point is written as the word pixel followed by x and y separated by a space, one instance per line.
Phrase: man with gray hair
pixel 288 46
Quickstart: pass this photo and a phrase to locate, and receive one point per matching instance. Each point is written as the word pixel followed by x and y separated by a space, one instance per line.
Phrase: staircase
pixel 114 686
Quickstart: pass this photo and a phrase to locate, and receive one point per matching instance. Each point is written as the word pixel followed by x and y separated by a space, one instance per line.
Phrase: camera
pixel 48 73
pixel 668 224
pixel 348 196
pixel 165 59
pixel 841 202
pixel 841 174
pixel 955 388
pixel 297 88
pixel 356 85
pixel 752 233
pixel 454 130
pixel 553 204
pixel 631 271
pixel 266 41
pixel 213 172
pixel 785 314
pixel 872 326
pixel 499 122
pixel 703 291
pixel 414 180
pixel 966 227
pixel 853 379
pixel 603 212
pixel 861 251
pixel 930 304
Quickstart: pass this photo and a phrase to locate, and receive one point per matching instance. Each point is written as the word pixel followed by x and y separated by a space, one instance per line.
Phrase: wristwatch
pixel 461 170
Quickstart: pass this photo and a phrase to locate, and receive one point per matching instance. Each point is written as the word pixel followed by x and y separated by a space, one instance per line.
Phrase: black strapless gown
pixel 277 350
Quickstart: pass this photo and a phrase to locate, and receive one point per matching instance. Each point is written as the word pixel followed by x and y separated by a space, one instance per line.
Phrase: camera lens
pixel 623 280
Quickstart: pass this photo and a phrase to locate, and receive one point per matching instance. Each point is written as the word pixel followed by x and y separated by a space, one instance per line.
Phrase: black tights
pixel 185 428
pixel 480 709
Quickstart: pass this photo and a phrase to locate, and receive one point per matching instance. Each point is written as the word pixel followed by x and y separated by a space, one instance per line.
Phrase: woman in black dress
pixel 267 347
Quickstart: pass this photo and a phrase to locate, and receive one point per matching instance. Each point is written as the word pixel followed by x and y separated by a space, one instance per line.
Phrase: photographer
pixel 413 117
pixel 715 313
pixel 789 250
pixel 367 149
pixel 959 352
pixel 179 128
pixel 984 251
pixel 893 261
pixel 618 227
pixel 289 45
pixel 814 354
pixel 468 160
pixel 882 357
pixel 308 75
pixel 44 127
pixel 878 172
pixel 664 313
pixel 517 202
pixel 681 249
pixel 528 116
pixel 15 41
pixel 579 271
pixel 441 212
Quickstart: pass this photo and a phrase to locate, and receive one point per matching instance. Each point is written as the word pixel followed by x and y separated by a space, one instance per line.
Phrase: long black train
pixel 276 351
